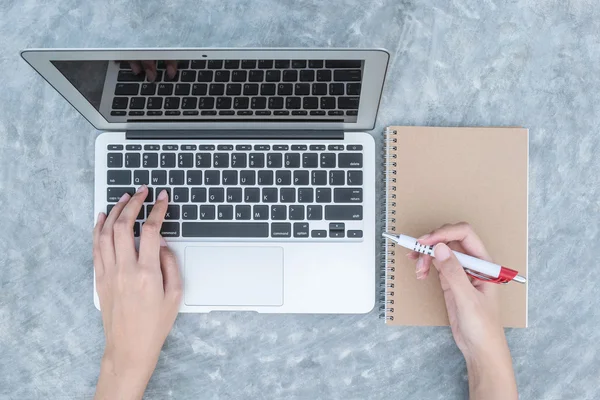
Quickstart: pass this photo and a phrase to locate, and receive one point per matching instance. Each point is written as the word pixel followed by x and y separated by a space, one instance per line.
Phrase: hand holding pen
pixel 473 310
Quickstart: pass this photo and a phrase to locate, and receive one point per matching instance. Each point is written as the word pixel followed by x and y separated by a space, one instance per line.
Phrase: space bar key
pixel 225 229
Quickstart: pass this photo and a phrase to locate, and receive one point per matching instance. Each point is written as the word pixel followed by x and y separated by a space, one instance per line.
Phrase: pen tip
pixel 388 235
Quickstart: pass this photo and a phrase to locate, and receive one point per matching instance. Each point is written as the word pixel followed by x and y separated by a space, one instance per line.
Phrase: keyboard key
pixel 176 177
pixel 323 75
pixel 167 160
pixel 239 76
pixel 154 103
pixel 114 160
pixel 265 178
pixel 129 76
pixel 205 76
pixel 336 234
pixel 115 147
pixel 262 147
pixel 198 195
pixel 225 212
pixel 256 76
pixel 169 229
pixel 206 103
pixel 274 160
pixel 216 195
pixel 243 212
pixel 355 178
pixel 165 89
pixel 181 195
pixel 230 177
pixel 318 112
pixel 256 160
pixel 343 63
pixel 323 195
pixel 346 103
pixel 260 212
pixel 135 113
pixel 336 89
pixel 232 64
pixel 265 64
pixel 172 102
pixel 238 160
pixel 296 212
pixel 279 213
pixel 346 75
pixel 198 64
pixel 301 178
pixel 148 89
pixel 258 103
pixel 207 212
pixel 183 64
pixel 353 89
pixel 350 160
pixel 173 112
pixel 172 212
pixel 225 147
pixel 327 102
pixel 298 63
pixel 150 160
pixel 335 147
pixel 282 63
pixel 307 75
pixel 189 103
pixel 354 234
pixel 216 89
pixel 343 213
pixel 305 195
pixel 269 195
pixel 250 89
pixel 327 160
pixel 221 160
pixel 275 102
pixel 141 177
pixel 281 229
pixel 352 112
pixel 293 102
pixel 118 177
pixel 336 178
pixel 182 89
pixel 273 75
pixel 252 195
pixel 214 64
pixel 137 103
pixel 242 112
pixel 299 112
pixel 203 160
pixel 335 112
pixel 212 178
pixel 344 195
pixel 301 89
pixel 310 103
pixel 160 189
pixel 268 89
pixel 261 113
pixel 300 229
pixel 222 76
pixel 241 103
pixel 127 89
pixel 247 177
pixel 314 212
pixel 119 103
pixel 185 160
pixel 292 160
pixel 287 195
pixel 189 212
pixel 318 178
pixel 248 64
pixel 318 233
pixel 225 229
pixel 234 195
pixel 290 75
pixel 206 147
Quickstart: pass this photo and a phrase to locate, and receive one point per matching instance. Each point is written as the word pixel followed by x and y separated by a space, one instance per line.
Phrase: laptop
pixel 264 154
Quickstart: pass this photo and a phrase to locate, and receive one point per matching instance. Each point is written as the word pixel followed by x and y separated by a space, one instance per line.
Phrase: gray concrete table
pixel 462 62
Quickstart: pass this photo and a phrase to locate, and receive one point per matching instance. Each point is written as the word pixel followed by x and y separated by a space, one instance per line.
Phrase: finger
pixel 425 265
pixel 171 66
pixel 150 69
pixel 124 239
pixel 150 237
pixel 461 232
pixel 98 266
pixel 447 265
pixel 170 272
pixel 107 241
pixel 136 67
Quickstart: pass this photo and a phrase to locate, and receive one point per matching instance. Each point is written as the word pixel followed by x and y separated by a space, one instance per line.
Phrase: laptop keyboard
pixel 243 89
pixel 245 191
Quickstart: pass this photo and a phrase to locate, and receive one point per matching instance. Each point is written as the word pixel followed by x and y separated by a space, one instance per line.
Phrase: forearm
pixel 491 376
pixel 119 382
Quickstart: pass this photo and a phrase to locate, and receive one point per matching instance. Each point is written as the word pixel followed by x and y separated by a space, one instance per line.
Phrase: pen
pixel 475 267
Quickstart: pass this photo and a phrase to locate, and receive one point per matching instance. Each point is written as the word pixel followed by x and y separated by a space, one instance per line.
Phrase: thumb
pixel 170 272
pixel 448 265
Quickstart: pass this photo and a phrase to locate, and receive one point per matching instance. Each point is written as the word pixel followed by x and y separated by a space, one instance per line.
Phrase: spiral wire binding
pixel 386 284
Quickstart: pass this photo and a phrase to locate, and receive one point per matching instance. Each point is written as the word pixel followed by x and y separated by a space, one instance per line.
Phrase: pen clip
pixel 487 278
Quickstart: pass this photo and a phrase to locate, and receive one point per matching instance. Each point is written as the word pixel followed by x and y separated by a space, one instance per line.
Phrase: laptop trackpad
pixel 233 276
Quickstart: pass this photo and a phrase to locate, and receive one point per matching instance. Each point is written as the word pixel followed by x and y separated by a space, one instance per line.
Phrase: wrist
pixel 123 378
pixel 491 374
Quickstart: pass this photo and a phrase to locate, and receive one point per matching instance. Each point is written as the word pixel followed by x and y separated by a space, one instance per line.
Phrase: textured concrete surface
pixel 533 63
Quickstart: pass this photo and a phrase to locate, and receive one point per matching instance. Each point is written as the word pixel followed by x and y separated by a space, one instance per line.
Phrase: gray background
pixel 530 63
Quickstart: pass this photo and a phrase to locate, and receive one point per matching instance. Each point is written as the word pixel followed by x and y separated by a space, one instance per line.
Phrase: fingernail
pixel 419 264
pixel 423 237
pixel 125 197
pixel 100 214
pixel 163 242
pixel 171 71
pixel 150 75
pixel 141 188
pixel 441 252
pixel 162 195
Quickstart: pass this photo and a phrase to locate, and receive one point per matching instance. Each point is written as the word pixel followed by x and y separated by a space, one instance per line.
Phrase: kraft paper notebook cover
pixel 447 175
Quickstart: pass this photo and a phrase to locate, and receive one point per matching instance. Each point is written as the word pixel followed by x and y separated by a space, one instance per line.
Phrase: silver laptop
pixel 270 172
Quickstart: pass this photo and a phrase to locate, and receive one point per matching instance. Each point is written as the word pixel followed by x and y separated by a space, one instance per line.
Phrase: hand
pixel 139 293
pixel 149 67
pixel 473 310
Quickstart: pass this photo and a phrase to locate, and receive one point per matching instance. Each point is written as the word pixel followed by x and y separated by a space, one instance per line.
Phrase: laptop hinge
pixel 236 134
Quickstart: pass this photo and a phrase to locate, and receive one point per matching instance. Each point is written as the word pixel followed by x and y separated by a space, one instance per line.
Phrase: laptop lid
pixel 101 85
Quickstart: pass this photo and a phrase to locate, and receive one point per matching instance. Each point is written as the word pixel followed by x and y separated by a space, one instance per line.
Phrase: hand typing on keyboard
pixel 149 68
pixel 139 293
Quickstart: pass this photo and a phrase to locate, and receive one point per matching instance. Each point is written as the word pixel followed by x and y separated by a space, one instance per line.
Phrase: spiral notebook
pixel 446 175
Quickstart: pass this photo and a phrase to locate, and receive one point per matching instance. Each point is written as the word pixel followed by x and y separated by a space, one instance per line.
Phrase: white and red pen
pixel 480 269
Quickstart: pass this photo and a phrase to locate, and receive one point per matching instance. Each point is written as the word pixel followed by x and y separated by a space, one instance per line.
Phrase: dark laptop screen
pixel 219 90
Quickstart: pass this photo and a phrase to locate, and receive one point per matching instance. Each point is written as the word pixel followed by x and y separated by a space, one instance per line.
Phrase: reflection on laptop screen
pixel 219 90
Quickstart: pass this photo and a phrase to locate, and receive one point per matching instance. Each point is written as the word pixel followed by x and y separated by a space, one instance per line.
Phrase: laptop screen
pixel 245 90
